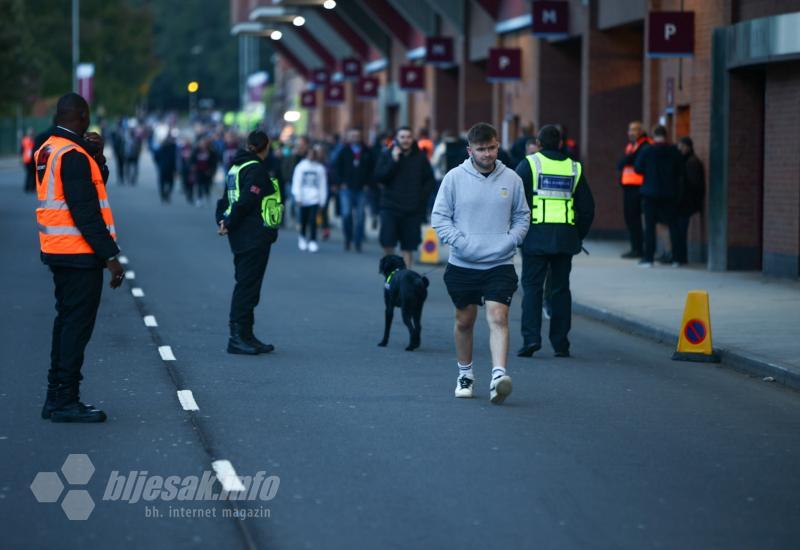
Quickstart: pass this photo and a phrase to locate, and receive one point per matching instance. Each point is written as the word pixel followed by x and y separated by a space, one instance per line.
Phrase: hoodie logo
pixel 504 192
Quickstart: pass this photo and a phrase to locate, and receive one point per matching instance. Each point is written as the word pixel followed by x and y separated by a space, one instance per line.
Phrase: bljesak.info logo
pixel 139 486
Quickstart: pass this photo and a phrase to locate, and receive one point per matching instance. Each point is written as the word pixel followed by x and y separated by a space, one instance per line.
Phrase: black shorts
pixel 473 286
pixel 406 228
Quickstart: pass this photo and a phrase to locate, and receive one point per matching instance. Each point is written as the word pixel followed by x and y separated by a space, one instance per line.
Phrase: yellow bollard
pixel 429 254
pixel 694 341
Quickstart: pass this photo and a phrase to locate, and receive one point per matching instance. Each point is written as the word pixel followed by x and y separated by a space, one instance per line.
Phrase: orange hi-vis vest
pixel 57 231
pixel 27 149
pixel 629 175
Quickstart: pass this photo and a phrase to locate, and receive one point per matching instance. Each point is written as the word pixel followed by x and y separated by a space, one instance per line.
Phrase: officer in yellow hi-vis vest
pixel 249 213
pixel 562 210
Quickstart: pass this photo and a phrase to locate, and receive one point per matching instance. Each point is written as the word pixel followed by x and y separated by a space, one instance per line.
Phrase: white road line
pixel 187 400
pixel 130 275
pixel 123 260
pixel 150 321
pixel 227 476
pixel 166 353
pixel 137 292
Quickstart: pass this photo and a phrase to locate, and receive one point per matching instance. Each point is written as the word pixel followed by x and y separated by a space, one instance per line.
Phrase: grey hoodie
pixel 483 219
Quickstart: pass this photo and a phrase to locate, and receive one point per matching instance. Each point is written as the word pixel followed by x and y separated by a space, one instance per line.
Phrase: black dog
pixel 407 290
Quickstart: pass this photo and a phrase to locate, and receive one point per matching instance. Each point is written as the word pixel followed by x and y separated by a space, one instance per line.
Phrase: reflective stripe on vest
pixel 58 233
pixel 554 184
pixel 271 205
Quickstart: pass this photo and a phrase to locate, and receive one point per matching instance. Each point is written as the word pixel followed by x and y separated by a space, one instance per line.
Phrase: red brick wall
pixel 782 167
pixel 745 169
pixel 613 72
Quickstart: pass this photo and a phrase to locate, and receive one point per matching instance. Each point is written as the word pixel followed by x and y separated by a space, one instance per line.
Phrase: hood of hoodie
pixel 470 169
pixel 243 156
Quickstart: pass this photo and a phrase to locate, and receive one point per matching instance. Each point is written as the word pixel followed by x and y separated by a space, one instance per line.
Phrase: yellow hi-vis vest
pixel 554 184
pixel 271 204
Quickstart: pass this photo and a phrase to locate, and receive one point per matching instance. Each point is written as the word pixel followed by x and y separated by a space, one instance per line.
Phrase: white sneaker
pixel 500 389
pixel 644 264
pixel 302 243
pixel 464 386
pixel 313 246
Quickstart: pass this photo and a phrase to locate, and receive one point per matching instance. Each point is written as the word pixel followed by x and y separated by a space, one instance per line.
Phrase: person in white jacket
pixel 310 192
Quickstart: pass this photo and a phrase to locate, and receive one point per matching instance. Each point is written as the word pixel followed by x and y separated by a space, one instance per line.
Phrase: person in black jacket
pixel 407 179
pixel 662 167
pixel 166 157
pixel 551 245
pixel 691 198
pixel 78 277
pixel 249 238
pixel 355 167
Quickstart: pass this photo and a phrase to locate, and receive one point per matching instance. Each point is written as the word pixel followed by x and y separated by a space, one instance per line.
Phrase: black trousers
pixel 165 184
pixel 308 221
pixel 534 270
pixel 659 211
pixel 632 210
pixel 250 267
pixel 77 299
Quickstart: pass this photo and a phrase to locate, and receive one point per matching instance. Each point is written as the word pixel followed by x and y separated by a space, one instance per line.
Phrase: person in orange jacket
pixel 631 183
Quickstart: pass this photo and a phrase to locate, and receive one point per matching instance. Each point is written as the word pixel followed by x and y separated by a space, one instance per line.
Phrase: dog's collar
pixel 389 278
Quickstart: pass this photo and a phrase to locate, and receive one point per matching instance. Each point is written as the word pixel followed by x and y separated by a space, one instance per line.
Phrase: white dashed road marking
pixel 166 353
pixel 227 476
pixel 130 275
pixel 137 292
pixel 187 400
pixel 123 260
pixel 150 321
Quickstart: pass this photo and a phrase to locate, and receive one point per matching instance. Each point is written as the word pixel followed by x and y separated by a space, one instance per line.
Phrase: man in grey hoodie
pixel 481 212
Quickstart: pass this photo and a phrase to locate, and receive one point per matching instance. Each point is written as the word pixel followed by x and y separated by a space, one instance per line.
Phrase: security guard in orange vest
pixel 26 152
pixel 631 185
pixel 77 238
pixel 562 211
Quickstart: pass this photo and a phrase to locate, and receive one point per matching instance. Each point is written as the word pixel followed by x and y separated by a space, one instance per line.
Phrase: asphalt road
pixel 617 447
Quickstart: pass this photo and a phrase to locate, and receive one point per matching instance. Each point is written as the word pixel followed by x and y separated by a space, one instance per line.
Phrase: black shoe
pixel 563 353
pixel 665 258
pixel 528 349
pixel 50 401
pixel 77 412
pixel 238 343
pixel 261 346
pixel 631 254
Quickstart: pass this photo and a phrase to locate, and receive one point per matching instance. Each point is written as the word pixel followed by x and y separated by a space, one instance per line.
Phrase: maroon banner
pixel 320 76
pixel 351 67
pixel 367 87
pixel 550 19
pixel 412 77
pixel 334 93
pixel 308 99
pixel 670 34
pixel 439 50
pixel 504 64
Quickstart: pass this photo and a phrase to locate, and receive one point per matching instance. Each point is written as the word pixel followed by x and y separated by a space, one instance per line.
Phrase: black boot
pixel 50 400
pixel 247 332
pixel 68 408
pixel 238 342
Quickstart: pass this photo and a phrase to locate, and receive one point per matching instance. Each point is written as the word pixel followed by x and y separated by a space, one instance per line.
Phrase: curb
pixel 735 360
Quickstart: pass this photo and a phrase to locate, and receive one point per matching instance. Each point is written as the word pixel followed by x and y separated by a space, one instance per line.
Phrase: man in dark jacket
pixel 355 167
pixel 691 198
pixel 558 227
pixel 239 215
pixel 78 251
pixel 166 157
pixel 662 167
pixel 407 179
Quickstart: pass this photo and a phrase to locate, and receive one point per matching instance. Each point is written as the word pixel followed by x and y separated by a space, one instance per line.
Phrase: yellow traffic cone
pixel 429 254
pixel 694 341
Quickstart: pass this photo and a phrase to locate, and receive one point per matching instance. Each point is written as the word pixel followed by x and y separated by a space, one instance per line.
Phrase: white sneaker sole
pixel 502 389
pixel 463 393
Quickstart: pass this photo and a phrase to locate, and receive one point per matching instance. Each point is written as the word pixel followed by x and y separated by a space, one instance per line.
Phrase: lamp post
pixel 192 88
pixel 76 21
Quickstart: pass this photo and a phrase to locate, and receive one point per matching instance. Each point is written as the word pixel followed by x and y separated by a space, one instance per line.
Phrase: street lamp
pixel 276 35
pixel 192 88
pixel 329 4
pixel 299 21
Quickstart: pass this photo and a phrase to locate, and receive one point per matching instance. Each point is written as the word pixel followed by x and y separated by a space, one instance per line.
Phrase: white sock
pixel 465 370
pixel 498 371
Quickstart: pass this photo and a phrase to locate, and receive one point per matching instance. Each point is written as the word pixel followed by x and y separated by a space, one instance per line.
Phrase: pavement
pixel 617 447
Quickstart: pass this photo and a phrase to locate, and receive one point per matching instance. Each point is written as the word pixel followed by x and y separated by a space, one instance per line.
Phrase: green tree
pixel 18 65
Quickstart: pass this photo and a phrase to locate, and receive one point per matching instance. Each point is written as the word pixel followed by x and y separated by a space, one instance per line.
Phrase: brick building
pixel 736 96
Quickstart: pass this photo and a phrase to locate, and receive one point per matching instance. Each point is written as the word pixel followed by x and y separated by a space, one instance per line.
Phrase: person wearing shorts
pixel 407 181
pixel 481 212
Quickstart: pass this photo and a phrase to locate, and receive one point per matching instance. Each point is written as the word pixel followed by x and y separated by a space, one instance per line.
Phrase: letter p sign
pixel 670 30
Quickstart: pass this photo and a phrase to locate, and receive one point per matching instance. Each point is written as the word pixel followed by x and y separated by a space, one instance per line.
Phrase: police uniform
pixel 562 210
pixel 252 211
pixel 77 236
